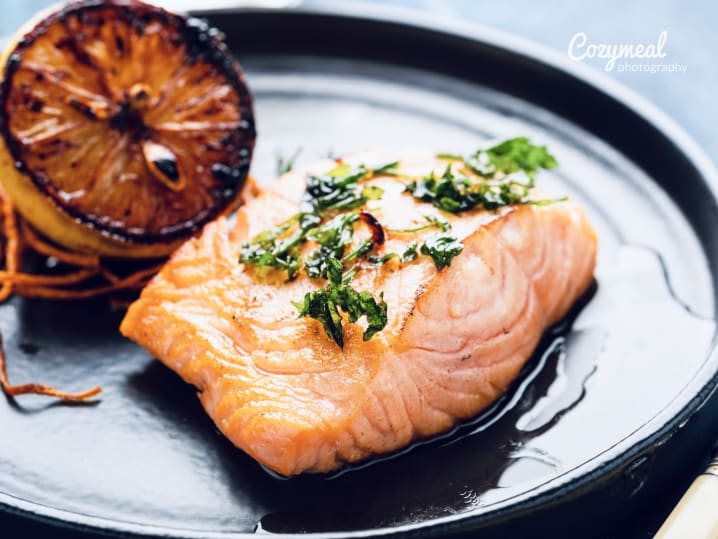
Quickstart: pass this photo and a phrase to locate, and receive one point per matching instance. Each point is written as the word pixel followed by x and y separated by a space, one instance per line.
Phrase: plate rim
pixel 664 425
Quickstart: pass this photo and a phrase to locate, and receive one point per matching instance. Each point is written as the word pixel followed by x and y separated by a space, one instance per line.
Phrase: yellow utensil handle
pixel 696 515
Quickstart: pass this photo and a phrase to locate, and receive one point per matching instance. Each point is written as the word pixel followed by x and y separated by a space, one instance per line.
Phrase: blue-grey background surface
pixel 689 97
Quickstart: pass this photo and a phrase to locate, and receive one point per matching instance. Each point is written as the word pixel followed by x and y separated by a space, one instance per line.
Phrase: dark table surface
pixel 688 97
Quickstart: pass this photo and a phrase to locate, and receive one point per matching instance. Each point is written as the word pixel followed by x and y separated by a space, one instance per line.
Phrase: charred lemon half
pixel 123 127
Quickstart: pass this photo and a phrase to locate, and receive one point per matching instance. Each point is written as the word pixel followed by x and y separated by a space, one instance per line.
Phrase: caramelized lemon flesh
pixel 124 128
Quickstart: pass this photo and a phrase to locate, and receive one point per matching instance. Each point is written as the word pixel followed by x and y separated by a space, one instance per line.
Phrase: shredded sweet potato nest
pixel 86 276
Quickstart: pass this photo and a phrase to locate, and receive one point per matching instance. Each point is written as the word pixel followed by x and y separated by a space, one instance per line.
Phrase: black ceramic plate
pixel 595 414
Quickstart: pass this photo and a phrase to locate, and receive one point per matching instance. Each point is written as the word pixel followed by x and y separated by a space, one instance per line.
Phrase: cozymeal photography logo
pixel 649 58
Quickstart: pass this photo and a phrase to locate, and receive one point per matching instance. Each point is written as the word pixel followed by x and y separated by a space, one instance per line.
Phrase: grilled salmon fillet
pixel 284 392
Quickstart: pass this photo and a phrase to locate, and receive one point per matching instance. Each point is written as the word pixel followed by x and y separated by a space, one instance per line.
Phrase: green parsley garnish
pixel 410 254
pixel 456 192
pixel 381 260
pixel 442 248
pixel 364 248
pixel 324 304
pixel 388 169
pixel 338 190
pixel 331 207
pixel 327 218
pixel 513 155
pixel 285 164
pixel 326 195
pixel 333 236
pixel 502 175
pixel 431 221
pixel 275 248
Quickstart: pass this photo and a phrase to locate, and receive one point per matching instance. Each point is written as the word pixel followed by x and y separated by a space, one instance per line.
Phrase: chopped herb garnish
pixel 341 169
pixel 316 263
pixel 338 190
pixel 286 164
pixel 388 169
pixel 275 248
pixel 439 222
pixel 513 155
pixel 442 248
pixel 546 201
pixel 450 156
pixel 411 252
pixel 336 232
pixel 308 221
pixel 333 203
pixel 362 249
pixel 372 192
pixel 381 260
pixel 324 305
pixel 504 175
pixel 335 191
pixel 332 237
pixel 456 193
pixel 432 221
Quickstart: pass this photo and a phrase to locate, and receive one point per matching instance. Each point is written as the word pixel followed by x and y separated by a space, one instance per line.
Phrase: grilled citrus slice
pixel 123 128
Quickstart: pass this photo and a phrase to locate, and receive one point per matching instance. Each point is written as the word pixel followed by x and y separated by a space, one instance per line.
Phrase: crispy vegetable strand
pixel 87 277
pixel 38 389
pixel 12 245
pixel 37 244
